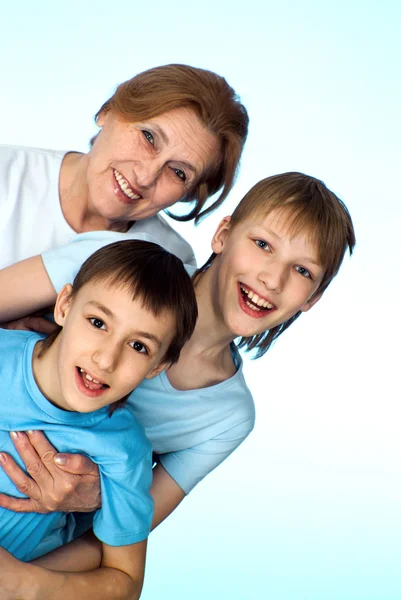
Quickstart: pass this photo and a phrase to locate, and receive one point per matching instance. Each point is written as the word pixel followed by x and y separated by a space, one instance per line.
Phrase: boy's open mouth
pixel 89 381
pixel 254 301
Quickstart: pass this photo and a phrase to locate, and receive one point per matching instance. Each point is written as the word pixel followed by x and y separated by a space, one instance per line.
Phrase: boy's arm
pixel 25 288
pixel 120 576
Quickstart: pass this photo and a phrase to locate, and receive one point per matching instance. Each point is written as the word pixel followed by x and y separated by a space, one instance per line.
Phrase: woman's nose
pixel 147 172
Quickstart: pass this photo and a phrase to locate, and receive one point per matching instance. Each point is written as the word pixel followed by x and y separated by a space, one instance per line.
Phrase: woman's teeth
pixel 255 302
pixel 124 186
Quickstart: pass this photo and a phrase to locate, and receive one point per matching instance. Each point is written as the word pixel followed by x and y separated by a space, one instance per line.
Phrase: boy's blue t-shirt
pixel 192 431
pixel 117 444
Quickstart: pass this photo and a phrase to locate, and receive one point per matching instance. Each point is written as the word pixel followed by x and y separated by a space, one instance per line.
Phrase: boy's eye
pixel 180 174
pixel 304 272
pixel 262 244
pixel 149 137
pixel 139 347
pixel 98 323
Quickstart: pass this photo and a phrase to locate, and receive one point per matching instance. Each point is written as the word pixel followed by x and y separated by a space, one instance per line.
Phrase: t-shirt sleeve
pixel 188 467
pixel 63 263
pixel 127 506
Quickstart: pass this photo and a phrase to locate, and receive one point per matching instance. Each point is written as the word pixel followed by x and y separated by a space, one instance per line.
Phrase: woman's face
pixel 136 169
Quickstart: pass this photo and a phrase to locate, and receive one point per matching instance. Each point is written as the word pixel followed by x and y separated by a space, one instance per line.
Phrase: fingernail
pixel 2 459
pixel 29 432
pixel 60 459
pixel 14 434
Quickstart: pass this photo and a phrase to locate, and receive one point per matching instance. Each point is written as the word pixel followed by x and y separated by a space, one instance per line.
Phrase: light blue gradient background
pixel 309 507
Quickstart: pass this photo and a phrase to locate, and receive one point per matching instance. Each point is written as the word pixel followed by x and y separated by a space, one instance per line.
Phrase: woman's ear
pixel 63 304
pixel 221 234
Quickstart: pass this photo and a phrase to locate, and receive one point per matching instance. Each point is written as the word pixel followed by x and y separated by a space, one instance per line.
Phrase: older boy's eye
pixel 262 244
pixel 139 347
pixel 98 323
pixel 149 137
pixel 304 272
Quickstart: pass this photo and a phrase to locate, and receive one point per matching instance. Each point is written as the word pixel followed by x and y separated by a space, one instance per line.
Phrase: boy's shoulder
pixel 13 339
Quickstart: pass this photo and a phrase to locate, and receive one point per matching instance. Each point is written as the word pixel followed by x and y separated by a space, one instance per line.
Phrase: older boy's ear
pixel 220 236
pixel 308 305
pixel 157 370
pixel 63 304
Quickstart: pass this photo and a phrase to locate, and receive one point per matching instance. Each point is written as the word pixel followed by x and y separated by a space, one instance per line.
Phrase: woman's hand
pixel 35 322
pixel 56 482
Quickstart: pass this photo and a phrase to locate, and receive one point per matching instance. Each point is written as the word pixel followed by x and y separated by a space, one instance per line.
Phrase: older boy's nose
pixel 273 277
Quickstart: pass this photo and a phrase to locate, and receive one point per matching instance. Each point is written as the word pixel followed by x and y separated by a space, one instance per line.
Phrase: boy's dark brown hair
pixel 310 207
pixel 165 88
pixel 152 275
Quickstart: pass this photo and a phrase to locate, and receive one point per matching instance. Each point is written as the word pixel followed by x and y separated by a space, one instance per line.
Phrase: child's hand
pixel 69 485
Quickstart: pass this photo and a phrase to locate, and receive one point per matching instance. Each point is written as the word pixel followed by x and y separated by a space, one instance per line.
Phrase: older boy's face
pixel 265 275
pixel 108 345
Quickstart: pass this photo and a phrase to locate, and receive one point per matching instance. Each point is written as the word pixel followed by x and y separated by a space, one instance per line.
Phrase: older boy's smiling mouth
pixel 254 301
pixel 125 186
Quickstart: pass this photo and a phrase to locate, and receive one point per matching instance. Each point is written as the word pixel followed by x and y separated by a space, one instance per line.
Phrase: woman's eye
pixel 98 323
pixel 139 347
pixel 262 244
pixel 304 272
pixel 180 174
pixel 149 137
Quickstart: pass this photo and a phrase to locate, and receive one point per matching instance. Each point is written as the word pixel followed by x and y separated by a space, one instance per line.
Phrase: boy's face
pixel 108 345
pixel 264 275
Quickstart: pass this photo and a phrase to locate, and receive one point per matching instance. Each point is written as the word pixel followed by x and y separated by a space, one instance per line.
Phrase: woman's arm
pixel 25 288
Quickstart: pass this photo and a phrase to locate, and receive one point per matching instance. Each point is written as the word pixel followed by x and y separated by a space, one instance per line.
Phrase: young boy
pixel 127 315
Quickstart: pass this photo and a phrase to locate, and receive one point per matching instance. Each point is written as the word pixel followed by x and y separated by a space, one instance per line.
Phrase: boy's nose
pixel 273 277
pixel 106 357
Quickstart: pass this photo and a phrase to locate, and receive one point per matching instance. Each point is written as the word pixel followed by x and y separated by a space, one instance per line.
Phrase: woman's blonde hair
pixel 168 87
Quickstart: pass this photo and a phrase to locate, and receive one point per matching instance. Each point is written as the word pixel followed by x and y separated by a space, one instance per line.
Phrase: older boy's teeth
pixel 124 185
pixel 256 299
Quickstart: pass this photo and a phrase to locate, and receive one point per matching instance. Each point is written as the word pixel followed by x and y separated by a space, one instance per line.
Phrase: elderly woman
pixel 172 133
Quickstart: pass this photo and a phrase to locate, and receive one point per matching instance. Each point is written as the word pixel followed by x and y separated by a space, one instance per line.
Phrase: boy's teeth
pixel 88 377
pixel 256 299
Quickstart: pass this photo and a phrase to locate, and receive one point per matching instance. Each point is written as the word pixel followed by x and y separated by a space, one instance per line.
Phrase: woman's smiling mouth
pixel 125 187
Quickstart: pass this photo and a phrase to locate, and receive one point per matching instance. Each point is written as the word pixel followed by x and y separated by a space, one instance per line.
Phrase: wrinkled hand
pixel 31 323
pixel 56 482
pixel 17 579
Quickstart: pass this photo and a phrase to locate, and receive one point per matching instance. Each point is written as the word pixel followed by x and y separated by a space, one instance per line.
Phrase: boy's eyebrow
pixel 279 239
pixel 109 313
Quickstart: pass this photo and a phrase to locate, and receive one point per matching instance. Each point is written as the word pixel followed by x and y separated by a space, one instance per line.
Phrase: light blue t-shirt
pixel 193 431
pixel 117 444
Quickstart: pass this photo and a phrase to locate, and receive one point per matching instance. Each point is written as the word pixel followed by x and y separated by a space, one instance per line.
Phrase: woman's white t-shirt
pixel 31 219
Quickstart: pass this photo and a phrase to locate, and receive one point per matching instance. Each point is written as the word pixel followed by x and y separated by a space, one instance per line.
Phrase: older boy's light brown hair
pixel 310 207
pixel 216 104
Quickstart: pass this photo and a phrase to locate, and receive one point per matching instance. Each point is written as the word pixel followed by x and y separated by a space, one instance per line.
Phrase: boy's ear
pixel 308 305
pixel 157 370
pixel 63 304
pixel 220 236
